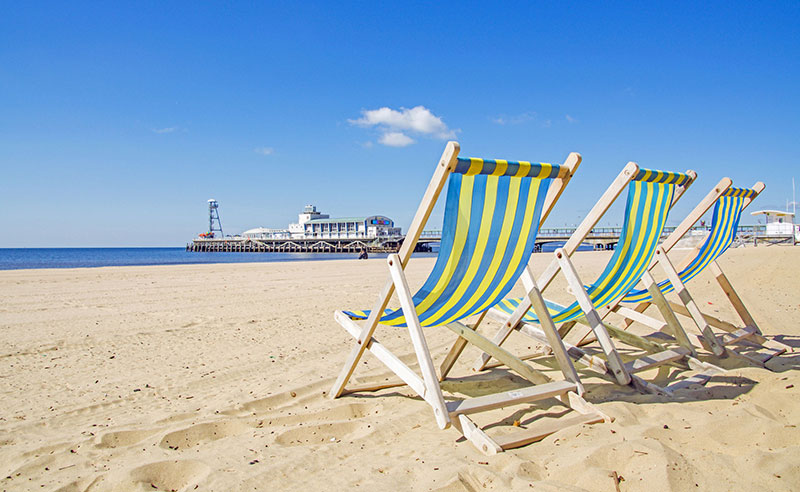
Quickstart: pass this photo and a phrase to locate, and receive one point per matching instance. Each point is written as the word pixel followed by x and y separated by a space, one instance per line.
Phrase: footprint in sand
pixel 123 438
pixel 348 411
pixel 163 475
pixel 324 433
pixel 203 433
pixel 273 402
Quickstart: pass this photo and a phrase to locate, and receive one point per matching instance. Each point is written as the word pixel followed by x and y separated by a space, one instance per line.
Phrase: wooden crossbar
pixel 594 363
pixel 654 360
pixel 641 318
pixel 501 354
pixel 737 336
pixel 514 397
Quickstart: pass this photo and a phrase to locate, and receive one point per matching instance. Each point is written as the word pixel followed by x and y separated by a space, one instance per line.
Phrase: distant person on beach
pixel 363 255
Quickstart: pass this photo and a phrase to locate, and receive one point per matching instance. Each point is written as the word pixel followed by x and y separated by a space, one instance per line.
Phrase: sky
pixel 119 122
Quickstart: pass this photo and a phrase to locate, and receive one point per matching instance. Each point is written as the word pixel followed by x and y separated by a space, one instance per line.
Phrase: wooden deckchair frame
pixel 688 307
pixel 612 367
pixel 456 412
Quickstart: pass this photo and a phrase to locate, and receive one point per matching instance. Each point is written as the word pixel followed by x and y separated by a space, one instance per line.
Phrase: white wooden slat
pixel 654 360
pixel 507 398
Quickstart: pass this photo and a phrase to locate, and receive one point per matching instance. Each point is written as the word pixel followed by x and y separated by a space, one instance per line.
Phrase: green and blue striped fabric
pixel 649 200
pixel 491 219
pixel 725 221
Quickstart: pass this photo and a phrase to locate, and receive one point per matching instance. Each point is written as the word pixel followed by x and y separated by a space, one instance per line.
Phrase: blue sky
pixel 117 123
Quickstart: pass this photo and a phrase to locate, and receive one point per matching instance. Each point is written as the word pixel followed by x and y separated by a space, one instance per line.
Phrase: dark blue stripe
pixel 476 213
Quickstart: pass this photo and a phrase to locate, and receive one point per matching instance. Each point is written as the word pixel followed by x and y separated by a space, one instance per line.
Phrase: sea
pixel 25 258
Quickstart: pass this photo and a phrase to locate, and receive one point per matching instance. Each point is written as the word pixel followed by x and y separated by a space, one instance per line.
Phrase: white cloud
pixel 264 150
pixel 570 118
pixel 395 124
pixel 170 129
pixel 395 139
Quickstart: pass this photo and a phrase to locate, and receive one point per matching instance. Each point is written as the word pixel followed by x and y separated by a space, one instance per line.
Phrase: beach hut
pixel 780 227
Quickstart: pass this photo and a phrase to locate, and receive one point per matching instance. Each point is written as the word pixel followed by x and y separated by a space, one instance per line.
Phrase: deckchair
pixel 728 203
pixel 492 214
pixel 651 194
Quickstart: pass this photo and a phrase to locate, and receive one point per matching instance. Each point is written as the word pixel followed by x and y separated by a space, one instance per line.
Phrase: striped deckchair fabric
pixel 650 196
pixel 491 219
pixel 724 223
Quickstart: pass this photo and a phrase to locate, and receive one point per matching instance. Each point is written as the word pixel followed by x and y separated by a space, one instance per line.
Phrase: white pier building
pixel 312 224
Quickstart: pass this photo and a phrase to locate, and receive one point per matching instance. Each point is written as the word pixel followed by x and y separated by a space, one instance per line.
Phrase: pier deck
pixel 601 238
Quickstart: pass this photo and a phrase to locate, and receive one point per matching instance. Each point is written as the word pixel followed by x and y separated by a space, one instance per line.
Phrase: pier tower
pixel 213 215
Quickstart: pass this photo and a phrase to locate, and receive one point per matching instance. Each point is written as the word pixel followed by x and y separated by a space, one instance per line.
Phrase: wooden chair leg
pixel 553 339
pixel 366 332
pixel 668 314
pixel 733 297
pixel 691 306
pixel 612 355
pixel 432 388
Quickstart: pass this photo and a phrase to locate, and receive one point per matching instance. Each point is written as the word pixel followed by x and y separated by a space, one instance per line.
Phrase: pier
pixel 248 245
pixel 601 238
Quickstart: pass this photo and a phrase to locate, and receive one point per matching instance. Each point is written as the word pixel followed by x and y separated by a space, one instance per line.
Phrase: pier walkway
pixel 601 238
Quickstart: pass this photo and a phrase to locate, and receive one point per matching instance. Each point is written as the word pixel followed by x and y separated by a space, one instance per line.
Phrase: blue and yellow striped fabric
pixel 491 219
pixel 725 221
pixel 649 200
pixel 517 169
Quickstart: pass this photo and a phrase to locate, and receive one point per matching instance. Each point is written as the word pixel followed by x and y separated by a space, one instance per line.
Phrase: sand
pixel 213 377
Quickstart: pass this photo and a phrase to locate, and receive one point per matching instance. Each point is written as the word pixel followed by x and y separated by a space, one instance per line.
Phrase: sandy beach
pixel 214 377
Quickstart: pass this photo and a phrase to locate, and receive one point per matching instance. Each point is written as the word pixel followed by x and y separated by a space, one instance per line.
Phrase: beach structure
pixel 312 224
pixel 780 228
pixel 651 194
pixel 214 223
pixel 728 203
pixel 493 211
pixel 266 233
pixel 314 232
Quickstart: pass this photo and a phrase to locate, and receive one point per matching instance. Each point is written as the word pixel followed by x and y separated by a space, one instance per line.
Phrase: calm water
pixel 22 258
pixel 19 258
pixel 552 246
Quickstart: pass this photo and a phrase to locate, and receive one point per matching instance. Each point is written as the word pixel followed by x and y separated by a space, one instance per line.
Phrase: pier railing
pixel 600 238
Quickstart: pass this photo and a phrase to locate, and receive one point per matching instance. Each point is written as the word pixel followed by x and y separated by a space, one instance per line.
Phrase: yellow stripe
pixel 545 170
pixel 505 234
pixel 480 248
pixel 628 236
pixel 524 169
pixel 645 241
pixel 462 227
pixel 518 251
pixel 725 224
pixel 475 166
pixel 500 168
